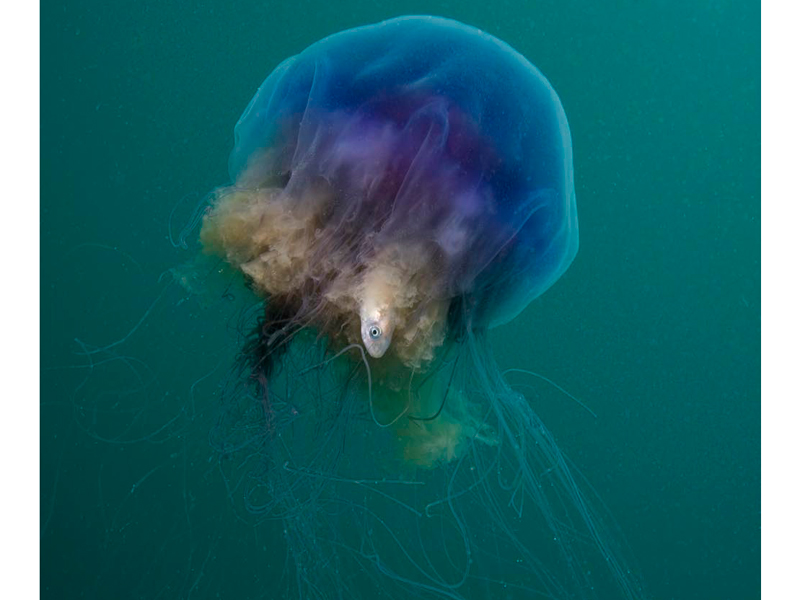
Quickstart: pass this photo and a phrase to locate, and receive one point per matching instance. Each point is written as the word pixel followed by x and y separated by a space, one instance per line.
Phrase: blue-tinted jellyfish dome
pixel 432 162
pixel 397 190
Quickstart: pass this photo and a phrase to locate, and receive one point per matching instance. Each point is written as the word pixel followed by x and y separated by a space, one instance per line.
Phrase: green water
pixel 655 326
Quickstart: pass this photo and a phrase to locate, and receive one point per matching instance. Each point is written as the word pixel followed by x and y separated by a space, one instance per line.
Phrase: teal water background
pixel 655 326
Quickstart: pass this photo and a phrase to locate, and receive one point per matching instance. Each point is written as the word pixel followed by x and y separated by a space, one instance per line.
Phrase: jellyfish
pixel 397 190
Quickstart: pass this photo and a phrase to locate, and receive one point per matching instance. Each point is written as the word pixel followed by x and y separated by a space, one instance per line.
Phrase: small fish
pixel 377 327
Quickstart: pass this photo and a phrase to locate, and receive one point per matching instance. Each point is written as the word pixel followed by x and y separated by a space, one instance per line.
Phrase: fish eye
pixel 374 332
